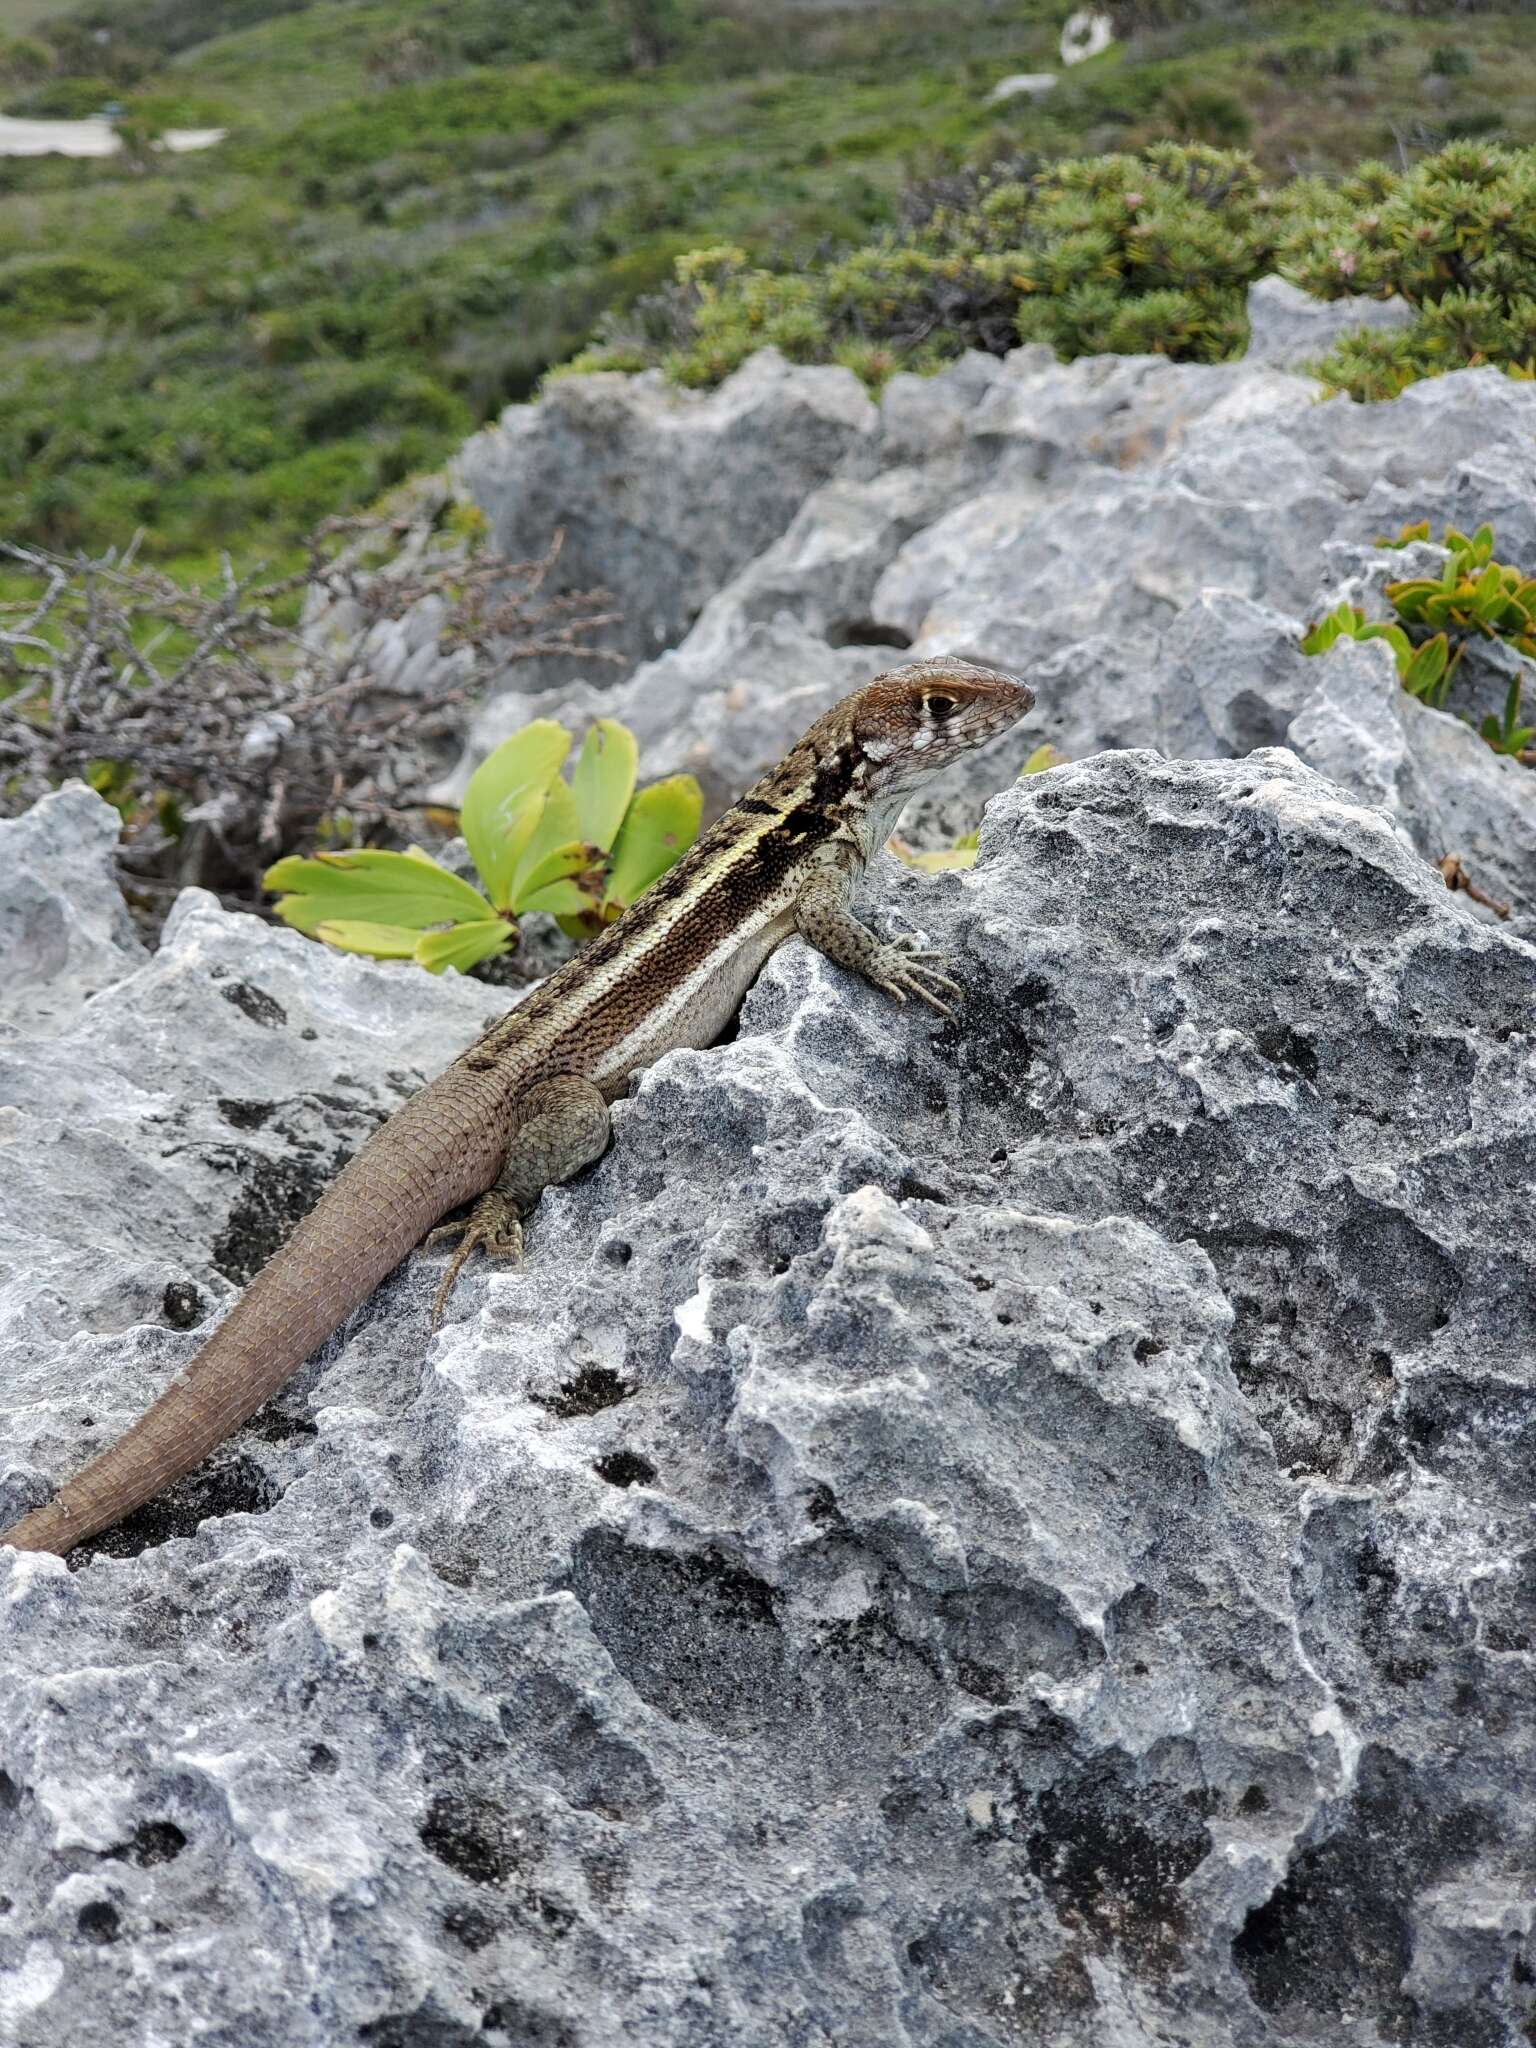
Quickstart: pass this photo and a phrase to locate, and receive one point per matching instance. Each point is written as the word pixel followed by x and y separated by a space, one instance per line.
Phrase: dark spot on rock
pixel 10 1793
pixel 1285 1048
pixel 511 2024
pixel 230 1485
pixel 616 1252
pixel 1254 1800
pixel 1336 1936
pixel 182 1305
pixel 471 1928
pixel 1148 1347
pixel 370 1640
pixel 309 1033
pixel 587 1392
pixel 624 1468
pixel 152 1842
pixel 99 1921
pixel 697 1637
pixel 821 1505
pixel 276 1424
pixel 477 1839
pixel 256 1003
pixel 245 1116
pixel 423 2028
pixel 1111 1852
pixel 982 1681
pixel 382 1518
pixel 910 1189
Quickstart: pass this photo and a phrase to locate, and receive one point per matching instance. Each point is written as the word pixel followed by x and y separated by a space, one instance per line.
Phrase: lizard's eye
pixel 939 708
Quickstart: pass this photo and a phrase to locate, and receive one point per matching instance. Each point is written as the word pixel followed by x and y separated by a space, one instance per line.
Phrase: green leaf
pixel 464 944
pixel 1044 757
pixel 372 886
pixel 556 828
pixel 381 941
pixel 658 828
pixel 575 858
pixel 1427 668
pixel 604 781
pixel 563 899
pixel 505 801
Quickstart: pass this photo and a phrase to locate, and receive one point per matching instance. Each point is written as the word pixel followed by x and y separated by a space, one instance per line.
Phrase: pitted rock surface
pixel 1013 1531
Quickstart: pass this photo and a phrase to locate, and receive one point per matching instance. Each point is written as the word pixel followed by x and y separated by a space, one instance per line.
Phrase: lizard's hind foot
pixel 494 1227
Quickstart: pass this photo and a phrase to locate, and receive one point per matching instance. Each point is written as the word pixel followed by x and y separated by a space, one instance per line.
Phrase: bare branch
pixel 245 730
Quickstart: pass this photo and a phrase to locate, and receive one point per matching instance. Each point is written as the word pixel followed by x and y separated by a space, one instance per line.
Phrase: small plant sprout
pixel 581 850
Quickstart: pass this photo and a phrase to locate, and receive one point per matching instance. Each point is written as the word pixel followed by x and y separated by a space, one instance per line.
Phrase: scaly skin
pixel 526 1106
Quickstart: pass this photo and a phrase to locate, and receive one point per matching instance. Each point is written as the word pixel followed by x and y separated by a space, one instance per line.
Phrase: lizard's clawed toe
pixel 907 971
pixel 494 1227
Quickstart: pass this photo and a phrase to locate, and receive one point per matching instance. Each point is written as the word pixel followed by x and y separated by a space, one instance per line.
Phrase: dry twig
pixel 232 733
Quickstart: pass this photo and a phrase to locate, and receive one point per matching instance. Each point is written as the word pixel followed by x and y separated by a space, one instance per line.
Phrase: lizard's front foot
pixel 902 968
pixel 494 1226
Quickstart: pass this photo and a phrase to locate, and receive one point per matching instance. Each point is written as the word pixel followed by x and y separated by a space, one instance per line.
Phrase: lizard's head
pixel 911 722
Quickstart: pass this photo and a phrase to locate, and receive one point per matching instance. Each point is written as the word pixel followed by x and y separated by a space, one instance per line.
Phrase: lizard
pixel 527 1105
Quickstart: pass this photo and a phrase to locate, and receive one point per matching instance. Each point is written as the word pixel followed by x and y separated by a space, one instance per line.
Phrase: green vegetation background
pixel 421 209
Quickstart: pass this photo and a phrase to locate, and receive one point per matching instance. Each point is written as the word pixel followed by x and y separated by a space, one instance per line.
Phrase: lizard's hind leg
pixel 562 1125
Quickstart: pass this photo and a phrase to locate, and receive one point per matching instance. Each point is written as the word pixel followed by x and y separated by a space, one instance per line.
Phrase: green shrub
pixel 48 291
pixel 63 99
pixel 1151 251
pixel 1455 237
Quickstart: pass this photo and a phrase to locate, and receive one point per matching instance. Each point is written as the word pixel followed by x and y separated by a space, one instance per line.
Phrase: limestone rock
pixel 959 1534
pixel 661 494
pixel 1290 329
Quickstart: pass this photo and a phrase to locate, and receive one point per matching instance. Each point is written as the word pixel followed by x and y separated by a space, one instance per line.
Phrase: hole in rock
pixel 99 1922
pixel 587 1392
pixel 866 633
pixel 624 1468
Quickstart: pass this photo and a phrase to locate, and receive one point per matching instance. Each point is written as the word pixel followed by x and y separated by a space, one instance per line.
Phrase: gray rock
pixel 64 930
pixel 1088 521
pixel 1013 1530
pixel 1290 330
pixel 662 494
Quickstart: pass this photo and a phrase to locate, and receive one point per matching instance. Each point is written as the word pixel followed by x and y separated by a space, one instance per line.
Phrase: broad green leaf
pixel 572 859
pixel 556 828
pixel 381 941
pixel 562 899
pixel 1045 756
pixel 371 886
pixel 464 944
pixel 658 828
pixel 1427 667
pixel 505 800
pixel 603 780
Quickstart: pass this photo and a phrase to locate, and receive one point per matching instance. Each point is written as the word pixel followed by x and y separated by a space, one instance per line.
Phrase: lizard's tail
pixel 445 1145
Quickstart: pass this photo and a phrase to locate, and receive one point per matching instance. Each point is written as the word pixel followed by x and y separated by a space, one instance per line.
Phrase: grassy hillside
pixel 421 208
